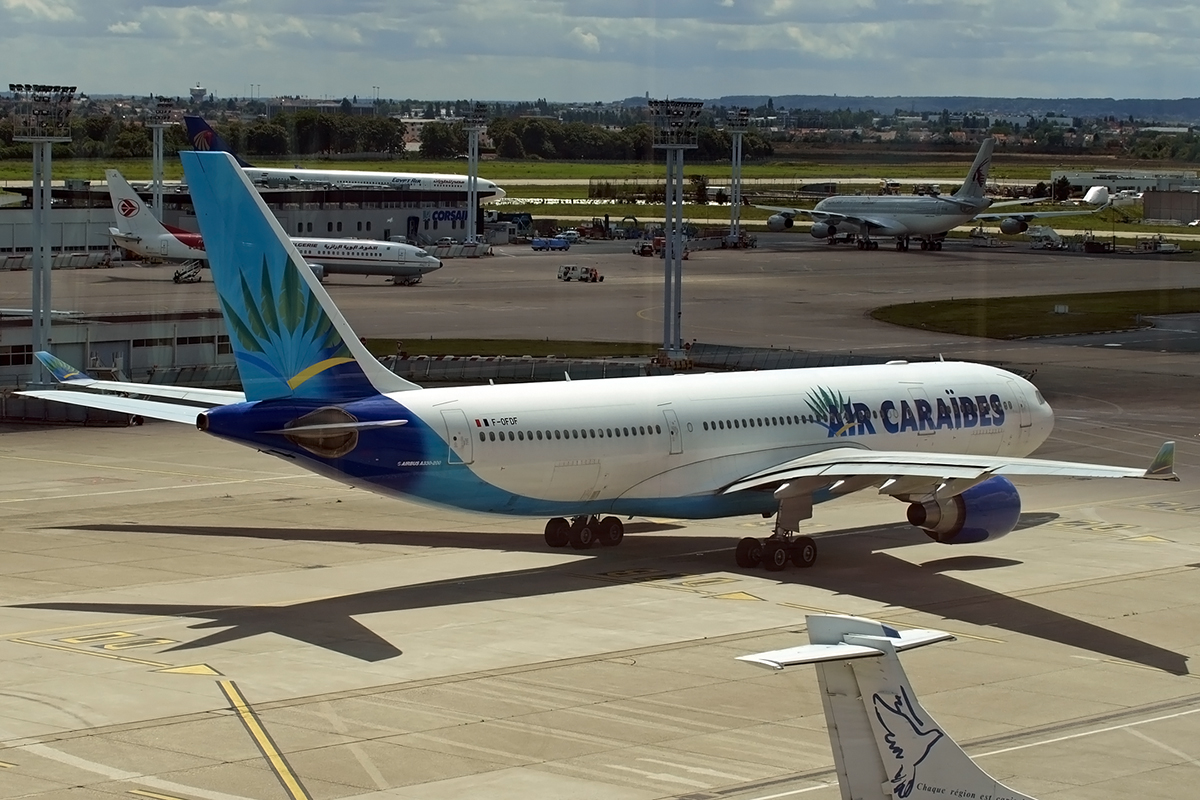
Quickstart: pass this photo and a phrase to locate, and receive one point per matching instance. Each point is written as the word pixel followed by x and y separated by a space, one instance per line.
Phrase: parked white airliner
pixel 140 233
pixel 203 137
pixel 943 437
pixel 927 218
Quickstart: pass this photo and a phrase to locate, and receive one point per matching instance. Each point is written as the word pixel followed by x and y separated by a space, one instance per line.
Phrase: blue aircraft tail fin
pixel 204 138
pixel 288 337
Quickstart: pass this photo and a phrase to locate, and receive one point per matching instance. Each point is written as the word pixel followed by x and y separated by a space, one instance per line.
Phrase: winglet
pixel 1162 468
pixel 62 371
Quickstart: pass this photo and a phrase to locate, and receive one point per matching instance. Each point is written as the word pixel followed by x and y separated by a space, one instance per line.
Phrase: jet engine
pixel 779 222
pixel 317 270
pixel 822 230
pixel 987 510
pixel 1011 225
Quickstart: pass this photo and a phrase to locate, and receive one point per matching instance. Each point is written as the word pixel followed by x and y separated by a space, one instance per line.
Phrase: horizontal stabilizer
pixel 809 654
pixel 170 412
pixel 66 374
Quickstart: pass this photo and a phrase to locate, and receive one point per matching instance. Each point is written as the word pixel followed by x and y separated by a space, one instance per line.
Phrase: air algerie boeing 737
pixel 927 218
pixel 943 437
pixel 203 137
pixel 139 232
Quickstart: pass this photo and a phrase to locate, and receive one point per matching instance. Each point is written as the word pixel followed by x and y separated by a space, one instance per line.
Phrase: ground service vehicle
pixel 574 272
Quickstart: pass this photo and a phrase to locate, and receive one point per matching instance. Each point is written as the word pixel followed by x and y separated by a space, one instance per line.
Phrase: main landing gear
pixel 867 244
pixel 775 552
pixel 582 532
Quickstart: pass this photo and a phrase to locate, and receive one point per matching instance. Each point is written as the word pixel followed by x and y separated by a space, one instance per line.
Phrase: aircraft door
pixel 1024 417
pixel 164 244
pixel 674 432
pixel 923 411
pixel 458 435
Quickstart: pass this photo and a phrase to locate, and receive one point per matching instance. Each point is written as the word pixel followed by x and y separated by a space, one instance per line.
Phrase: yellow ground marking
pixel 191 669
pixel 154 795
pixel 6 765
pixel 1147 538
pixel 897 624
pixel 266 745
pixel 735 596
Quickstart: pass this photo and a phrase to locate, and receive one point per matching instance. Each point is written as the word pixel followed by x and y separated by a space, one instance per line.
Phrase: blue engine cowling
pixel 986 511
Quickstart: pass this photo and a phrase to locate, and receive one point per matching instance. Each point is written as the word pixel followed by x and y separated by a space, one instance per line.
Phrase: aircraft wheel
pixel 874 245
pixel 558 532
pixel 583 535
pixel 748 553
pixel 775 555
pixel 804 552
pixel 899 246
pixel 924 245
pixel 612 531
pixel 860 245
pixel 938 246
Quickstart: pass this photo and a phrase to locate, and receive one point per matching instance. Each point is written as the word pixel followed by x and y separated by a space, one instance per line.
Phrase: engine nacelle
pixel 1011 225
pixel 986 511
pixel 779 222
pixel 317 270
pixel 822 230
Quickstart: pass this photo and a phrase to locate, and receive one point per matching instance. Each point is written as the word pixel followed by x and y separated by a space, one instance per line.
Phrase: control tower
pixel 198 93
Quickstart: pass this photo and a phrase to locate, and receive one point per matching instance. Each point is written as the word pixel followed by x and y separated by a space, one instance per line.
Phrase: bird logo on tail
pixel 907 739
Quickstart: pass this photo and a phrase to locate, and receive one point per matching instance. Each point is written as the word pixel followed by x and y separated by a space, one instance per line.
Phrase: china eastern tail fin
pixel 288 337
pixel 975 184
pixel 885 744
pixel 204 138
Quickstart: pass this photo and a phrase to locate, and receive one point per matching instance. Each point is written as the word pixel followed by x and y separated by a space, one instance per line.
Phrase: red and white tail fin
pixel 134 217
pixel 885 745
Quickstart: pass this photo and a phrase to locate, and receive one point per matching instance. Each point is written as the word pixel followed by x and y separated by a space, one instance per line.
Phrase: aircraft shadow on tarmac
pixel 853 562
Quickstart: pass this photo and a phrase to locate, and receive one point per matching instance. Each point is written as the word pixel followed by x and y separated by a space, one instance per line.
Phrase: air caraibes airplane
pixel 943 437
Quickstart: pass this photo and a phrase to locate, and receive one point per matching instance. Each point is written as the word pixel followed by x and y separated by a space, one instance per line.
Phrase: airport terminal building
pixel 82 214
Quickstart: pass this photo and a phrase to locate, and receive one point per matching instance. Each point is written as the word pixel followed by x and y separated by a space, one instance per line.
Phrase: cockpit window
pixel 1041 400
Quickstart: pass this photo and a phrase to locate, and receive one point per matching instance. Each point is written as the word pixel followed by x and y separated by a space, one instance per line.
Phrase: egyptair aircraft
pixel 139 232
pixel 926 218
pixel 942 437
pixel 203 137
pixel 885 745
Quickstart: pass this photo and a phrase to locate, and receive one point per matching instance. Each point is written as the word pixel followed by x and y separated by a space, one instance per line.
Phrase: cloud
pixel 125 28
pixel 587 41
pixel 50 10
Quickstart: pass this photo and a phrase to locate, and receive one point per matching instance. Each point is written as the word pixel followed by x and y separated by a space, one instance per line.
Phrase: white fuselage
pixel 343 178
pixel 898 216
pixel 670 444
pixel 334 256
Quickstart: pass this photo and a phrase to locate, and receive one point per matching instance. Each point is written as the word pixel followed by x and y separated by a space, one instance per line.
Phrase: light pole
pixel 475 122
pixel 160 116
pixel 675 125
pixel 736 122
pixel 42 118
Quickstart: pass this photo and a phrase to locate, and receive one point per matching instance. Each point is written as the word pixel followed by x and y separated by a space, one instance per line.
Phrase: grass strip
pixel 1017 317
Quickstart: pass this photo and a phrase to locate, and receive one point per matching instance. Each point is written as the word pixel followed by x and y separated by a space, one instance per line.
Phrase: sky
pixel 589 50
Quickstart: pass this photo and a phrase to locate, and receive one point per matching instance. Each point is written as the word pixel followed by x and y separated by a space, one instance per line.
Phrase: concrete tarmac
pixel 182 618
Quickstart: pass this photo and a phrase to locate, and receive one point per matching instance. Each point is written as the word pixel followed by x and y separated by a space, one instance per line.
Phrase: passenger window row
pixel 574 433
pixel 754 422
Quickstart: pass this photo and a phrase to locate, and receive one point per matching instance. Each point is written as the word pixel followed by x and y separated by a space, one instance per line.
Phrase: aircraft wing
pixel 932 474
pixel 1096 197
pixel 787 212
pixel 171 412
pixel 92 394
pixel 870 223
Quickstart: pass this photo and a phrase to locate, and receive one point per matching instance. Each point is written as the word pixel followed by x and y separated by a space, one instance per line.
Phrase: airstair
pixel 189 272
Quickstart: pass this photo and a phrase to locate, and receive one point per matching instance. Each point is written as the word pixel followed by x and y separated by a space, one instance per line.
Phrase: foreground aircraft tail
pixel 885 745
pixel 975 184
pixel 204 138
pixel 289 339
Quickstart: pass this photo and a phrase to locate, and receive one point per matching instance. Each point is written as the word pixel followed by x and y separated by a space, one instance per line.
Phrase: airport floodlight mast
pixel 736 122
pixel 161 116
pixel 42 117
pixel 475 123
pixel 675 129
